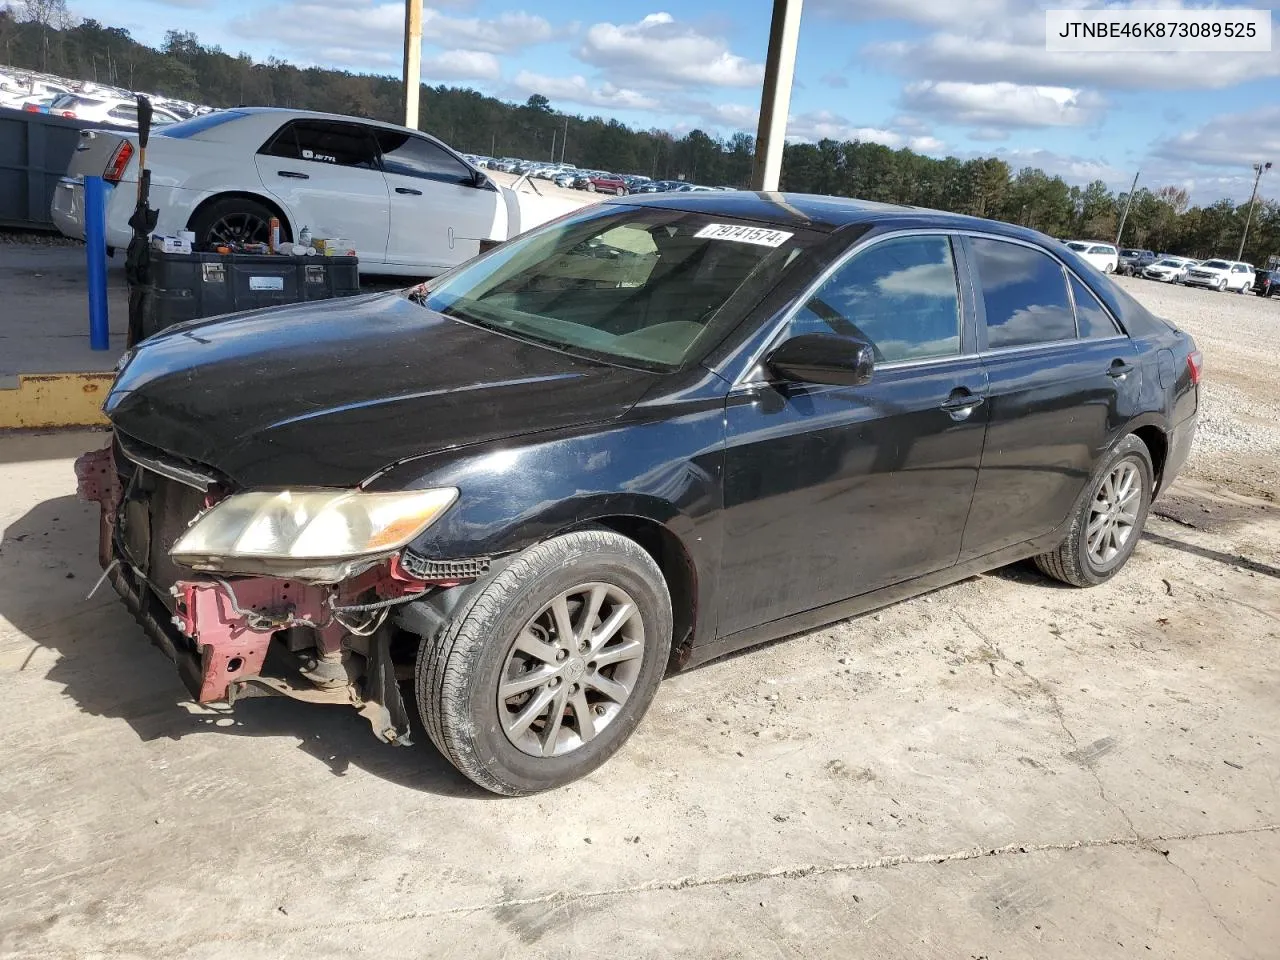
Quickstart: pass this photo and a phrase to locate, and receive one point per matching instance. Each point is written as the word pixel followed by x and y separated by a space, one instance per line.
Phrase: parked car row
pixel 1214 274
pixel 84 100
pixel 594 181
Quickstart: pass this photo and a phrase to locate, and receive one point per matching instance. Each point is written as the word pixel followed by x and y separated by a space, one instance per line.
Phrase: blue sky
pixel 961 77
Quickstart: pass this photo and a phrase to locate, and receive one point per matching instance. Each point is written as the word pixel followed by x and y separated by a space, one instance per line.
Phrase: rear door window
pixel 325 141
pixel 1024 292
pixel 411 156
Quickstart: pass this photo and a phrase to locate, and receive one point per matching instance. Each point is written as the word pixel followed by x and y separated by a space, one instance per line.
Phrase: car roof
pixel 286 112
pixel 822 213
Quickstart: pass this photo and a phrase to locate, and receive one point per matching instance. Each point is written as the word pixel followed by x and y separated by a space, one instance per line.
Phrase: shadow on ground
pixel 48 563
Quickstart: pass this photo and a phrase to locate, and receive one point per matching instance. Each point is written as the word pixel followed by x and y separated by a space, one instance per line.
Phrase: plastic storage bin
pixel 189 286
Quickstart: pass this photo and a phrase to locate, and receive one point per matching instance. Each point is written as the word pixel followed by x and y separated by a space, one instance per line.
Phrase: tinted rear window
pixel 189 128
pixel 1025 295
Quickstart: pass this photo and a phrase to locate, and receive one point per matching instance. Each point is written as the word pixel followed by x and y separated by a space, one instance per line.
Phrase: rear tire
pixel 235 219
pixel 1108 519
pixel 510 630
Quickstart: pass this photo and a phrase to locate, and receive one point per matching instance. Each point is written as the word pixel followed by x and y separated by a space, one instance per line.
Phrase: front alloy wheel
pixel 571 670
pixel 547 666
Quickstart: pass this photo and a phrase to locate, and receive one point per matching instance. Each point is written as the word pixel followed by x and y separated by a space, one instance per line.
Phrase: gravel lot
pixel 1238 439
pixel 1005 768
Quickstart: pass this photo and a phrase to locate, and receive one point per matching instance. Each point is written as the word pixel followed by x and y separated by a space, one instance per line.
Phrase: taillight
pixel 119 160
pixel 1195 364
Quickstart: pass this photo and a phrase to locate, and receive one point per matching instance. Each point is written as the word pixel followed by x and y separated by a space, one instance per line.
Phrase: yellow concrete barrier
pixel 55 400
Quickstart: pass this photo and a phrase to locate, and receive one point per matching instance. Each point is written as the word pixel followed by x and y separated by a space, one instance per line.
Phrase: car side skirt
pixel 865 603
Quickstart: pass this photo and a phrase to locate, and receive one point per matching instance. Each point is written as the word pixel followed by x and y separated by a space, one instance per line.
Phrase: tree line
pixel 39 35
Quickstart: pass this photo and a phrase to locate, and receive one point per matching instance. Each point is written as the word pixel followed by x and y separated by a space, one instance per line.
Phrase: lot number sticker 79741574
pixel 760 236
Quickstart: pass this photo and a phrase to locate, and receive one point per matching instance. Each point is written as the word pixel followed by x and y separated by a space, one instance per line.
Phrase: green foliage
pixel 41 37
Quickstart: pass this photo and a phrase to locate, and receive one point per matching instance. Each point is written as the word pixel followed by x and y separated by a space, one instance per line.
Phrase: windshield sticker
pixel 739 234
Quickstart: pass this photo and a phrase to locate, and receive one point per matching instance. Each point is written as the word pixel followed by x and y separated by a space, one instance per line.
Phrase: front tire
pixel 1109 517
pixel 546 672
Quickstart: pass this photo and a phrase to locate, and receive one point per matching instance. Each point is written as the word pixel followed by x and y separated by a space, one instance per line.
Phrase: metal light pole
pixel 1127 204
pixel 1258 170
pixel 412 60
pixel 775 102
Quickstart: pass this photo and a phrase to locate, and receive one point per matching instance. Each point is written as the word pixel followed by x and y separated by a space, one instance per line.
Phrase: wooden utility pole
pixel 412 60
pixel 1127 204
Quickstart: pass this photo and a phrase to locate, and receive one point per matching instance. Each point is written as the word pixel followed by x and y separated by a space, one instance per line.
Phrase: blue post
pixel 95 246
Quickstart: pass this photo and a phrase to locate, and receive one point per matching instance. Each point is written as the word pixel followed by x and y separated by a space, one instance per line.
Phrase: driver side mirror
pixel 824 358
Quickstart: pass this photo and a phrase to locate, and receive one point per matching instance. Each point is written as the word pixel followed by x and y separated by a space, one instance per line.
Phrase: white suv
pixel 1104 256
pixel 1221 275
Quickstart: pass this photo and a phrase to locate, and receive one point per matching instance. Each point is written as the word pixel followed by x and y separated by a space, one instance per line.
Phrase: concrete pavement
pixel 1006 768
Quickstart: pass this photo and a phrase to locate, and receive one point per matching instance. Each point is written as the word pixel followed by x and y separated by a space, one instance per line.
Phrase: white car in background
pixel 108 109
pixel 1221 275
pixel 1104 256
pixel 409 204
pixel 1169 269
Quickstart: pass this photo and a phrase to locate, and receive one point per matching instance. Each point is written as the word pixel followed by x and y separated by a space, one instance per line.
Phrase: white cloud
pixel 986 60
pixel 926 12
pixel 1073 169
pixel 461 65
pixel 1003 104
pixel 659 51
pixel 1220 143
pixel 511 30
pixel 990 41
pixel 577 89
pixel 369 33
pixel 824 125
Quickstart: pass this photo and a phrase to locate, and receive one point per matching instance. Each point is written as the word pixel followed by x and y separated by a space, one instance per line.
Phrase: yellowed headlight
pixel 312 524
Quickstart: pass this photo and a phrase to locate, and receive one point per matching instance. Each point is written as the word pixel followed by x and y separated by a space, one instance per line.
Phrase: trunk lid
pixel 92 155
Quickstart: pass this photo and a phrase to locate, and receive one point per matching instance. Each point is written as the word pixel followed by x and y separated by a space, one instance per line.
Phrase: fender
pixel 516 493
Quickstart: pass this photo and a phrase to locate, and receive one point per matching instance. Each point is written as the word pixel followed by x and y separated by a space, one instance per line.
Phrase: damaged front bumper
pixel 239 637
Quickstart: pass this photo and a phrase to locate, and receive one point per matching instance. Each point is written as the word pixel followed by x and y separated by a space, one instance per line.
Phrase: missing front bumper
pixel 220 632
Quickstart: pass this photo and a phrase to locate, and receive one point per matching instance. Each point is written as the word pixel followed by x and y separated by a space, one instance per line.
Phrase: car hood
pixel 328 394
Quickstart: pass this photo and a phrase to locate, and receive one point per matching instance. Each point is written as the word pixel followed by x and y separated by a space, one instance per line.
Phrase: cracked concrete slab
pixel 838 794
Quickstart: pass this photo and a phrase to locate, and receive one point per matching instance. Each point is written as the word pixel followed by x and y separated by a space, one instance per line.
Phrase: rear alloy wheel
pixel 234 221
pixel 1108 520
pixel 548 667
pixel 1108 269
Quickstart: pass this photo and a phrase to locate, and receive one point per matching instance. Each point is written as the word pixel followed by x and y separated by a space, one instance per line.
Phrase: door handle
pixel 409 190
pixel 961 404
pixel 294 174
pixel 1119 369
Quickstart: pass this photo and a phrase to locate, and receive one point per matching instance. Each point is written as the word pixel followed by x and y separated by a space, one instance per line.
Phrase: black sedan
pixel 1133 262
pixel 1266 283
pixel 637 438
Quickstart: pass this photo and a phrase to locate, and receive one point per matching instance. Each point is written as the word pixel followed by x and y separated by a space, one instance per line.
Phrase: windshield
pixel 1169 263
pixel 1078 246
pixel 643 286
pixel 1216 264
